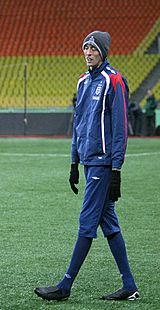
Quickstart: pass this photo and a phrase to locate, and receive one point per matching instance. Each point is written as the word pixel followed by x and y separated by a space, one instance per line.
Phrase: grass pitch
pixel 39 220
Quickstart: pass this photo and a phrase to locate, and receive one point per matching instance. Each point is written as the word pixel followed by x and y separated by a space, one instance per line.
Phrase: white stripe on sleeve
pixel 103 109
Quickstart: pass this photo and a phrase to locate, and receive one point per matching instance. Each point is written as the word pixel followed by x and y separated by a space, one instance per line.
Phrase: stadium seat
pixel 47 35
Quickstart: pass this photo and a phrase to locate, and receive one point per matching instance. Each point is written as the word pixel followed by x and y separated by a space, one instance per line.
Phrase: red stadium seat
pixel 31 27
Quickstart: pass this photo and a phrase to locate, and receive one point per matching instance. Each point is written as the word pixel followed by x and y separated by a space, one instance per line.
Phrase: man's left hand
pixel 115 185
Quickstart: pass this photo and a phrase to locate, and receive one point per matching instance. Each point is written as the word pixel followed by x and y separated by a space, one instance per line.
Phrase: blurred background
pixel 41 60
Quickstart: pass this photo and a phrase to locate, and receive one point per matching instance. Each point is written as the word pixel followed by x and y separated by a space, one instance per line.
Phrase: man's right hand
pixel 74 178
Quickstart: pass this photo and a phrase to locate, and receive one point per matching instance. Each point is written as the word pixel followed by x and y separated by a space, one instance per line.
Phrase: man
pixel 135 118
pixel 99 143
pixel 150 108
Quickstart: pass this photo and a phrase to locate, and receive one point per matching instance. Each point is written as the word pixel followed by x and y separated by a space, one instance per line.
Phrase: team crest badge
pixel 98 91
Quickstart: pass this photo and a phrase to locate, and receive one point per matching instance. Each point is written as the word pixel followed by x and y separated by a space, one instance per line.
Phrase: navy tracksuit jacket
pixel 100 121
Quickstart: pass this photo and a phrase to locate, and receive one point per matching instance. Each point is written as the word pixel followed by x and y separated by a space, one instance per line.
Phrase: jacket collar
pixel 95 72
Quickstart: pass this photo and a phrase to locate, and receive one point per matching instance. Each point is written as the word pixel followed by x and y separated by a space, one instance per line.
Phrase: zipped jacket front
pixel 100 127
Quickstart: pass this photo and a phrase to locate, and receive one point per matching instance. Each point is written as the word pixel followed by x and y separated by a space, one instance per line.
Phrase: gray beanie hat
pixel 100 40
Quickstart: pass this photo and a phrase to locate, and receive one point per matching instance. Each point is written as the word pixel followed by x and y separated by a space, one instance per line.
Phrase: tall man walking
pixel 99 143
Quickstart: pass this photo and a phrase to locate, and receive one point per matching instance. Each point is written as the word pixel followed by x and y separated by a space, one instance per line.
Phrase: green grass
pixel 39 220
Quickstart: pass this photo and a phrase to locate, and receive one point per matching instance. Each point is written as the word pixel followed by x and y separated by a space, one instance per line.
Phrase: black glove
pixel 115 185
pixel 74 177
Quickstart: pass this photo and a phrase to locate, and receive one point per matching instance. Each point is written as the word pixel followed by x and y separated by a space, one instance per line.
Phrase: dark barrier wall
pixel 39 124
pixel 43 124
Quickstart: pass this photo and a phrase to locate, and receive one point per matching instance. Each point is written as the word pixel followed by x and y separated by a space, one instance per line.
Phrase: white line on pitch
pixel 68 155
pixel 34 154
pixel 142 154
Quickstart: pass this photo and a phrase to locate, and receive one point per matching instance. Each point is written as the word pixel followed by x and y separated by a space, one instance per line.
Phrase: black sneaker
pixel 122 294
pixel 51 293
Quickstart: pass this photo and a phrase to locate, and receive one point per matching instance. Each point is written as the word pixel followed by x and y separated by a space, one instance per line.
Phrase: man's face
pixel 92 56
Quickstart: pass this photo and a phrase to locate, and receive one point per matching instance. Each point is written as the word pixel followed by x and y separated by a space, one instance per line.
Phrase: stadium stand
pixel 149 38
pixel 47 36
pixel 155 91
pixel 47 27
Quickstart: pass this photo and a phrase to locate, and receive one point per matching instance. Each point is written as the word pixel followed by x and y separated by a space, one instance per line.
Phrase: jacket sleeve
pixel 75 157
pixel 119 119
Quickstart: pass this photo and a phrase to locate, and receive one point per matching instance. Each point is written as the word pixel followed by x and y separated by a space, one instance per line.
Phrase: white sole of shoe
pixel 133 296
